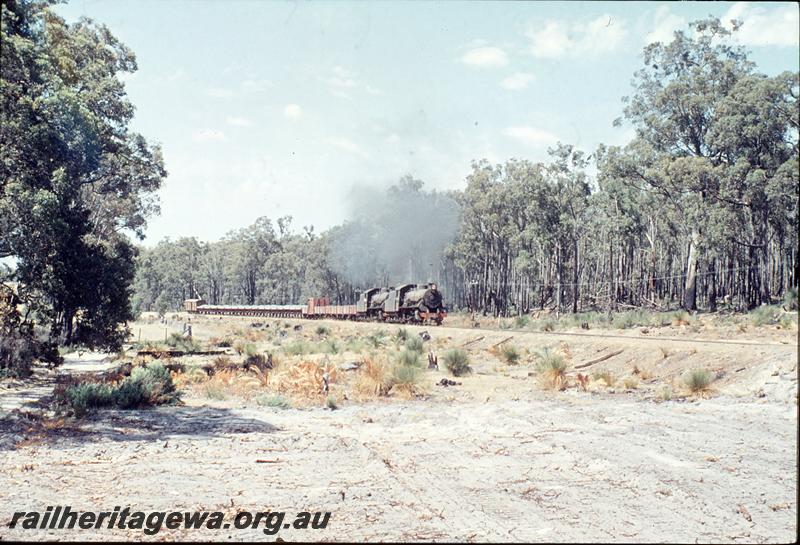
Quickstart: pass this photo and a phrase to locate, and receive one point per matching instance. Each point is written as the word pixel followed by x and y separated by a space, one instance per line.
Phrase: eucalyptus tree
pixel 74 177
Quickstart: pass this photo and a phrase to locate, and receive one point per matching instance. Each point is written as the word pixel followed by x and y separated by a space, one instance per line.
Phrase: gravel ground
pixel 566 468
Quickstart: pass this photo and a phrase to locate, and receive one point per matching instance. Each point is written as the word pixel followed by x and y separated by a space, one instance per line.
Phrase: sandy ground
pixel 493 459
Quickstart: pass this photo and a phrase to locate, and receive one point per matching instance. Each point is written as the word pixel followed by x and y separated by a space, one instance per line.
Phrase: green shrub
pixel 298 347
pixel 377 339
pixel 184 344
pixel 414 344
pixel 401 335
pixel 150 385
pixel 521 321
pixel 457 362
pixel 88 395
pixel 606 376
pixel 697 379
pixel 548 324
pixel 551 365
pixel 277 401
pixel 790 299
pixel 250 350
pixel 510 354
pixel 408 358
pixel 405 376
pixel 765 315
pixel 323 330
pixel 331 403
pixel 330 346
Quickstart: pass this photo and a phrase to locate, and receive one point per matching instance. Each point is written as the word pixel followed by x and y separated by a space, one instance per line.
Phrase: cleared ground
pixel 495 458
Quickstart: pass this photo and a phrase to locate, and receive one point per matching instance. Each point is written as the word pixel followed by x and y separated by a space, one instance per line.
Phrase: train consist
pixel 408 303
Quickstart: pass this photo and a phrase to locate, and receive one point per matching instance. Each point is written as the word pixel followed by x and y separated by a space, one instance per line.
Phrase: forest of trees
pixel 73 179
pixel 699 210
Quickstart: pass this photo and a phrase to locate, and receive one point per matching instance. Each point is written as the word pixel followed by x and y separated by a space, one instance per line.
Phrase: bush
pixel 323 330
pixel 510 354
pixel 547 325
pixel 298 348
pixel 606 376
pixel 697 379
pixel 184 344
pixel 277 401
pixel 330 346
pixel 408 358
pixel 521 321
pixel 331 403
pixel 414 344
pixel 405 376
pixel 551 368
pixel 457 362
pixel 790 299
pixel 681 317
pixel 401 335
pixel 377 339
pixel 765 315
pixel 150 385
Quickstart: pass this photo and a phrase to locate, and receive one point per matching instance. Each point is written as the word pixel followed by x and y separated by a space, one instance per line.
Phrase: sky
pixel 287 108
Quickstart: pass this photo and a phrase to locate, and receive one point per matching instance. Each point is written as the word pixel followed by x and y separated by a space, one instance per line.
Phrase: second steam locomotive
pixel 407 303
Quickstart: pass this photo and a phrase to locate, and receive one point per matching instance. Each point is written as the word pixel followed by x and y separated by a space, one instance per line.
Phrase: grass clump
pixel 521 321
pixel 681 317
pixel 405 377
pixel 510 354
pixel 790 299
pixel 551 369
pixel 184 344
pixel 605 376
pixel 457 362
pixel 765 315
pixel 331 403
pixel 547 324
pixel 323 330
pixel 298 347
pixel 630 383
pixel 331 346
pixel 697 380
pixel 374 378
pixel 414 344
pixel 377 339
pixel 276 401
pixel 408 358
pixel 147 385
pixel 401 335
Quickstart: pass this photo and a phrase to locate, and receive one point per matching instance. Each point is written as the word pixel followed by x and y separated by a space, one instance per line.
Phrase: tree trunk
pixel 690 287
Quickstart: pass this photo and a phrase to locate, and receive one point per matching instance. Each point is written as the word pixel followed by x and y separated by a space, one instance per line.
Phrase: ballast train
pixel 407 303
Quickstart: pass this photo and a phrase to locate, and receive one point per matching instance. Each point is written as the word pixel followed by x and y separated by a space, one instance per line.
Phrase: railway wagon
pixel 407 303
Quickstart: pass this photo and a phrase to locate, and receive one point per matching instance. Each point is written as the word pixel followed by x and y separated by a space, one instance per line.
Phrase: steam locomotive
pixel 407 303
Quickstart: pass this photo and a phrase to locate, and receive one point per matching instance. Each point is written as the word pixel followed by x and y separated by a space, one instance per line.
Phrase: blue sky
pixel 275 108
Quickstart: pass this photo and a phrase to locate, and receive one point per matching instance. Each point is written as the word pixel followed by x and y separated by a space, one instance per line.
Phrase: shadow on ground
pixel 18 428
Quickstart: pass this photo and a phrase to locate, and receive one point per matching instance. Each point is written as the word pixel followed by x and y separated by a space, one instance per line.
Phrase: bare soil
pixel 495 458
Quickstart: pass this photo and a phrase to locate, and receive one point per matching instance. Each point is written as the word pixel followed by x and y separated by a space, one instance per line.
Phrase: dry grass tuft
pixel 697 380
pixel 374 379
pixel 551 368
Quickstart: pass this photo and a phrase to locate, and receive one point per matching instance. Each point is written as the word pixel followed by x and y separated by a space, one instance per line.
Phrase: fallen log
pixel 473 341
pixel 170 353
pixel 598 360
pixel 502 342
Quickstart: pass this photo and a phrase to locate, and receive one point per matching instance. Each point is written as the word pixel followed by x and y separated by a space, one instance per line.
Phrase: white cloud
pixel 517 81
pixel 342 82
pixel 555 39
pixel 765 26
pixel 238 121
pixel 292 111
pixel 208 135
pixel 666 23
pixel 485 57
pixel 531 136
pixel 348 146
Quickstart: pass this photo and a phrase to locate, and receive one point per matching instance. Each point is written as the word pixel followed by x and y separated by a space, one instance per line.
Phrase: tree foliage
pixel 74 177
